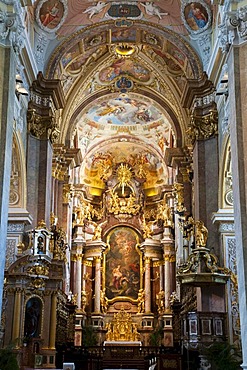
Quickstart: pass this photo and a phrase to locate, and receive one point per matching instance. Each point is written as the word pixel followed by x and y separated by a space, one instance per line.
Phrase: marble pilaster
pixel 237 62
pixel 205 158
pixel 7 97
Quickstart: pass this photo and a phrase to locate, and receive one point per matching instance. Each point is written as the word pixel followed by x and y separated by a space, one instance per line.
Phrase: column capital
pixel 43 116
pixel 203 119
pixel 233 30
pixel 11 27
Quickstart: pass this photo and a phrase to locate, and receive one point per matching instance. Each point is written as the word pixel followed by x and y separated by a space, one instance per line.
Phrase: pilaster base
pixel 148 321
pixel 97 320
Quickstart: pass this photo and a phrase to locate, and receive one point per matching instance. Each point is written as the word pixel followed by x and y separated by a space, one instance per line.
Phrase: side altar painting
pixel 122 272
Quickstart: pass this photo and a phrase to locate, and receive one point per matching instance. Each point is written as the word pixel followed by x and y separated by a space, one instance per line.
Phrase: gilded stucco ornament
pixel 121 328
pixel 203 122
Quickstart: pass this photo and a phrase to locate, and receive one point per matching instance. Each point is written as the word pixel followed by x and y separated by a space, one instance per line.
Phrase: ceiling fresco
pixel 120 114
pixel 82 13
pixel 124 110
pixel 123 66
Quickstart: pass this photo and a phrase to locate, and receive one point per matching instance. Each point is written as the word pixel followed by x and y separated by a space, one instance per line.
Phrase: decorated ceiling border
pixel 155 30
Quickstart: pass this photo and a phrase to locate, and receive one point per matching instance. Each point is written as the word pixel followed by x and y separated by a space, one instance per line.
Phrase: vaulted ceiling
pixel 124 67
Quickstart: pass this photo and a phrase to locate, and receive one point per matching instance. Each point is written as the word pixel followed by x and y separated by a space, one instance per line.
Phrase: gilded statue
pixel 84 300
pixel 127 205
pixel 179 197
pixel 109 334
pixel 103 301
pixel 147 228
pixel 164 213
pixel 97 232
pixel 201 234
pixel 160 301
pixel 141 301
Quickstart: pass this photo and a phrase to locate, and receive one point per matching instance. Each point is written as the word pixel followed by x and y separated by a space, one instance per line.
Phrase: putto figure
pixel 152 9
pixel 95 9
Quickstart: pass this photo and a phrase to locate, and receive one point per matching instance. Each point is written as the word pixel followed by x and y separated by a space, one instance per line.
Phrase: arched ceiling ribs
pixel 143 33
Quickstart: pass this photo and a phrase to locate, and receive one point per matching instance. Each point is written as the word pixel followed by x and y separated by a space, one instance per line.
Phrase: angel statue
pixel 141 301
pixel 147 228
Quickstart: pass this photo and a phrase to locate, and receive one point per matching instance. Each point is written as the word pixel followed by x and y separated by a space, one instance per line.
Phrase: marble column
pixel 167 288
pixel 206 182
pixel 17 316
pixel 46 98
pixel 7 98
pixel 169 268
pixel 161 274
pixel 39 178
pixel 78 281
pixel 147 285
pixel 237 69
pixel 97 284
pixel 53 314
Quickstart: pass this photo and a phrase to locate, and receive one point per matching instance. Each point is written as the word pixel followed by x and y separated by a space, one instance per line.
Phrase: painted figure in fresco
pixel 197 15
pixel 52 13
pixel 117 274
pixel 152 9
pixel 95 9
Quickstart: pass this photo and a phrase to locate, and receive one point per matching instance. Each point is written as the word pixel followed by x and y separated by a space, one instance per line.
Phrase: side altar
pixel 122 331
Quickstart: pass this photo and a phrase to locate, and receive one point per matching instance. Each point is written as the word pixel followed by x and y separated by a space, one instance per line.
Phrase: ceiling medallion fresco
pixel 124 110
pixel 197 16
pixel 51 14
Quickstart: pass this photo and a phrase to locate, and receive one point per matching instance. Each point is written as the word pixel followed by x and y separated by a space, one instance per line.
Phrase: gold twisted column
pixel 53 322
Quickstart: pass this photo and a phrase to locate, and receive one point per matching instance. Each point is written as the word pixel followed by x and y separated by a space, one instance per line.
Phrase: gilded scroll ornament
pixel 204 126
pixel 42 127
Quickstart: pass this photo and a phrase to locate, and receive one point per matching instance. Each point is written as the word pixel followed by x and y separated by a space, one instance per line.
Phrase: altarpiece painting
pixel 122 264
